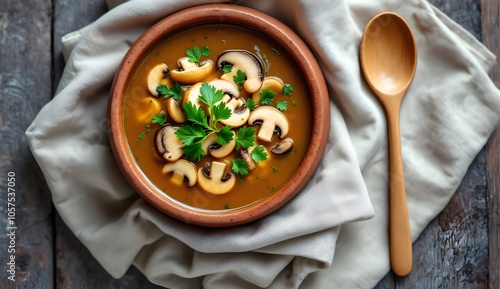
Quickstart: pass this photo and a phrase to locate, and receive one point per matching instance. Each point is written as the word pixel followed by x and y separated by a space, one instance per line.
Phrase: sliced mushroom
pixel 272 83
pixel 271 121
pixel 215 180
pixel 156 77
pixel 246 61
pixel 147 108
pixel 227 87
pixel 175 110
pixel 167 145
pixel 239 112
pixel 211 146
pixel 245 155
pixel 283 146
pixel 190 72
pixel 192 95
pixel 183 170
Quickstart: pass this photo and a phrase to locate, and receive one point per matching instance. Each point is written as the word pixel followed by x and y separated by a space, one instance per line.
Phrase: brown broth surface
pixel 270 175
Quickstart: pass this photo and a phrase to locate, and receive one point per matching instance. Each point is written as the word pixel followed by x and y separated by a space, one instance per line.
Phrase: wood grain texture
pixel 25 86
pixel 491 37
pixel 76 268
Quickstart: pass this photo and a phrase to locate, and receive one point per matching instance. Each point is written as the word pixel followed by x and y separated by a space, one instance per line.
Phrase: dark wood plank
pixel 68 17
pixel 76 267
pixel 25 86
pixel 491 38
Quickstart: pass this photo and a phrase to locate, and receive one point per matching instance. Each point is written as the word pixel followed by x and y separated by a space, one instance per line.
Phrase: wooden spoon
pixel 388 56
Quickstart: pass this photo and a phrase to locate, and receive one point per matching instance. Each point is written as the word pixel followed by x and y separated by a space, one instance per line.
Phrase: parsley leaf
pixel 205 51
pixel 282 105
pixel 245 137
pixel 160 119
pixel 194 54
pixel 209 95
pixel 227 68
pixel 194 151
pixel 259 154
pixel 225 135
pixel 191 134
pixel 162 89
pixel 220 112
pixel 288 89
pixel 175 91
pixel 266 96
pixel 240 77
pixel 195 114
pixel 250 103
pixel 240 167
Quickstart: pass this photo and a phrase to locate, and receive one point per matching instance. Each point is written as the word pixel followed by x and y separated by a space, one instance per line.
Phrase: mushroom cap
pixel 239 111
pixel 175 110
pixel 217 150
pixel 246 61
pixel 167 145
pixel 271 120
pixel 227 87
pixel 273 83
pixel 146 109
pixel 192 95
pixel 217 182
pixel 158 76
pixel 190 72
pixel 183 170
pixel 283 146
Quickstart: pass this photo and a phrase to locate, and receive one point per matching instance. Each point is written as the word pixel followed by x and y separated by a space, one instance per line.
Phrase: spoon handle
pixel 399 226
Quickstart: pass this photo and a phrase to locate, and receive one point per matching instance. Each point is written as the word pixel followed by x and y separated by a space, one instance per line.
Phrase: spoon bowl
pixel 388 57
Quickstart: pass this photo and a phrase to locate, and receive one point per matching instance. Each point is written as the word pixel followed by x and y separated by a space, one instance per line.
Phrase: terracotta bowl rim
pixel 273 29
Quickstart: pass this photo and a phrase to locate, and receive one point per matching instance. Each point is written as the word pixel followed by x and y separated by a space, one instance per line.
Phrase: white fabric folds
pixel 313 242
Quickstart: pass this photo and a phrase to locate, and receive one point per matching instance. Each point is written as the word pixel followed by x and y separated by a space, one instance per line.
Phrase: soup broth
pixel 141 108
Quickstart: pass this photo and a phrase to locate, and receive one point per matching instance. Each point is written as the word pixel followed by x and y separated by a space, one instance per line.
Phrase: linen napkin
pixel 447 115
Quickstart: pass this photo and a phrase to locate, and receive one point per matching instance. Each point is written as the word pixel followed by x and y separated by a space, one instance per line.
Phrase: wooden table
pixel 459 249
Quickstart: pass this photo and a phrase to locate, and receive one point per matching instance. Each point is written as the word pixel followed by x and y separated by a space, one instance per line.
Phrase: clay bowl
pixel 272 29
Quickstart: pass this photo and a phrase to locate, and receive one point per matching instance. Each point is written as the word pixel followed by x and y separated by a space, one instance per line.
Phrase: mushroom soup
pixel 217 117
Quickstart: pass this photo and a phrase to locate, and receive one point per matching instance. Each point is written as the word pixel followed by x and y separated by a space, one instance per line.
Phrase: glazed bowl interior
pixel 315 99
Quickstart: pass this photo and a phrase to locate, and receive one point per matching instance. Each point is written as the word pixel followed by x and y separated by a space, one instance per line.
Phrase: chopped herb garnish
pixel 276 51
pixel 259 154
pixel 225 135
pixel 227 68
pixel 162 89
pixel 266 96
pixel 240 167
pixel 148 128
pixel 160 119
pixel 223 41
pixel 195 53
pixel 141 136
pixel 205 51
pixel 288 89
pixel 193 135
pixel 175 91
pixel 250 103
pixel 226 206
pixel 282 105
pixel 240 77
pixel 293 103
pixel 245 137
pixel 275 169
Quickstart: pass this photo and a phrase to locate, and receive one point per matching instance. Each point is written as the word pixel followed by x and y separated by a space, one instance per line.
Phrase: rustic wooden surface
pixel 459 249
